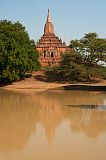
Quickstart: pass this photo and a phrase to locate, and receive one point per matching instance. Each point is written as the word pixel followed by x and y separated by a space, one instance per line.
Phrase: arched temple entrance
pixel 52 54
pixel 44 53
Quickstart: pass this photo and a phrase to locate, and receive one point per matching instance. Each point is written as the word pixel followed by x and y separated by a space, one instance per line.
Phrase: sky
pixel 71 18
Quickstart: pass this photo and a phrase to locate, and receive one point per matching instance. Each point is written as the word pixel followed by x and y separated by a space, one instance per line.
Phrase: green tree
pixel 93 47
pixel 86 60
pixel 17 52
pixel 72 67
pixel 93 50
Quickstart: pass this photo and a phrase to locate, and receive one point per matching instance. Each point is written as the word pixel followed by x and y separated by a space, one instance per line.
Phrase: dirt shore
pixel 32 82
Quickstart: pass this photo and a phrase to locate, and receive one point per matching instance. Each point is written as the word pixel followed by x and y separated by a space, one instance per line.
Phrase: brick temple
pixel 50 47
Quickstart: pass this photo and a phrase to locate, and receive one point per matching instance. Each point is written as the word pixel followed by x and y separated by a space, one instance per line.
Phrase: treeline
pixel 17 52
pixel 18 56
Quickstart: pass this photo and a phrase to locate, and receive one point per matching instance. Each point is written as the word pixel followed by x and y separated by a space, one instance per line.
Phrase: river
pixel 52 125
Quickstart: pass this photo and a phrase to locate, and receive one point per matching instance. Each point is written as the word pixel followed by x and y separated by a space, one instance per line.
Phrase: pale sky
pixel 71 18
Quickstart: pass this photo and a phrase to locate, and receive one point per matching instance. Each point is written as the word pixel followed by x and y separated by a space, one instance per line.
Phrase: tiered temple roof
pixel 49 39
pixel 49 45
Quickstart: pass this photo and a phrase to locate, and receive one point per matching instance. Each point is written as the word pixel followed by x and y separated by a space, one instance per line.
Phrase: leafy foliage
pixel 72 67
pixel 17 52
pixel 86 60
pixel 93 47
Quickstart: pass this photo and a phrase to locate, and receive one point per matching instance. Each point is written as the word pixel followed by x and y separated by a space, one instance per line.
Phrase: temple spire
pixel 48 17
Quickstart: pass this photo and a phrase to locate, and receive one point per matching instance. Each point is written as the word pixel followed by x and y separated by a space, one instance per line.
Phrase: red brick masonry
pixel 50 47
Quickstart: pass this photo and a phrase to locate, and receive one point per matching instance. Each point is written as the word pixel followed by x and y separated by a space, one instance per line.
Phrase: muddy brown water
pixel 52 125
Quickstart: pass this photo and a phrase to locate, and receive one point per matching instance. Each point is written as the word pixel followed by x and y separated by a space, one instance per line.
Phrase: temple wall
pixel 50 61
pixel 50 56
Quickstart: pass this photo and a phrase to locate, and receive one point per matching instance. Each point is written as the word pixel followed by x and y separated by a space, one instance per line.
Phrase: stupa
pixel 50 47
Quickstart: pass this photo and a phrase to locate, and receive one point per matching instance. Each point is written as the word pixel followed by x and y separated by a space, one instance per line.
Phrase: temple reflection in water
pixel 20 113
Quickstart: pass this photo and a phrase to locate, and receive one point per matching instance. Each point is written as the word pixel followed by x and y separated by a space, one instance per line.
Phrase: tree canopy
pixel 92 46
pixel 17 52
pixel 87 59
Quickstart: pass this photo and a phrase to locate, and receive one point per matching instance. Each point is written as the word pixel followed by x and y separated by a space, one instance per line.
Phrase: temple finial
pixel 48 17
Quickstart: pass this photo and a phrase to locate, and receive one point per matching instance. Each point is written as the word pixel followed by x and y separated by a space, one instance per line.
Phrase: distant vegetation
pixel 86 61
pixel 17 52
pixel 19 56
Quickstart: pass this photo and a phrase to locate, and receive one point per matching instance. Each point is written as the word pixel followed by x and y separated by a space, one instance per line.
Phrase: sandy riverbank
pixel 34 83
